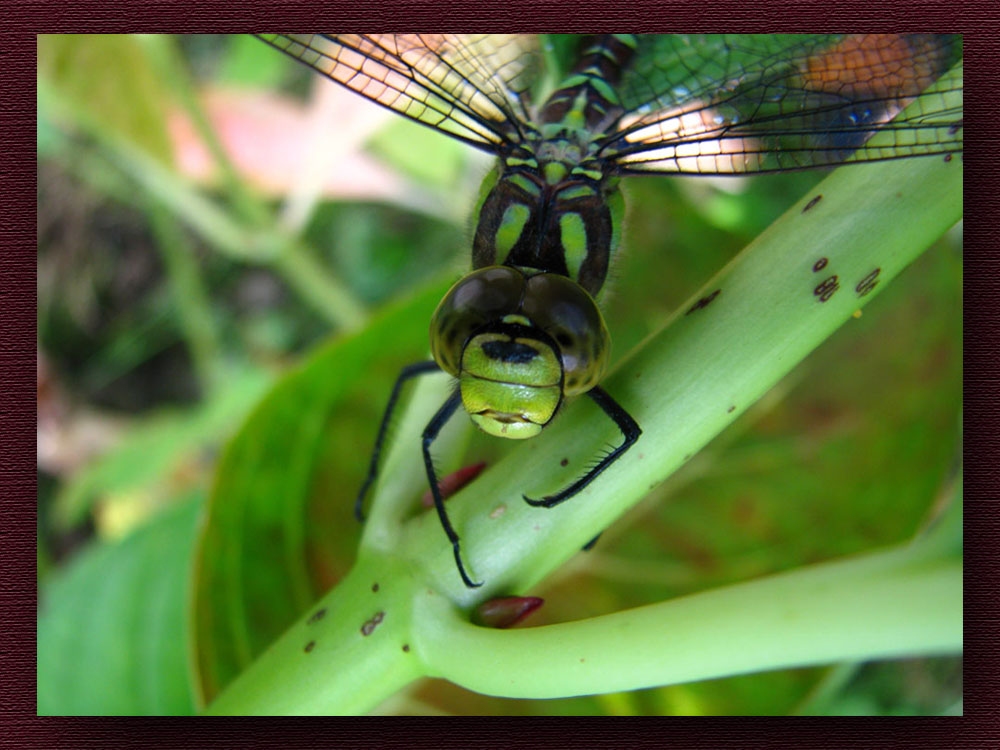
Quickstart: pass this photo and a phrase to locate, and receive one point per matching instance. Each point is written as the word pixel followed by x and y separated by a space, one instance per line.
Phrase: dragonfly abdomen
pixel 587 98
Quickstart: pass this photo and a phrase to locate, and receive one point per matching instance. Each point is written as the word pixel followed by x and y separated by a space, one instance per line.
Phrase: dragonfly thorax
pixel 518 341
pixel 558 218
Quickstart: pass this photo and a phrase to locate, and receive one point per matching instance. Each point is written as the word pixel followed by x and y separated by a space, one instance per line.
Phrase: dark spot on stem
pixel 406 647
pixel 731 409
pixel 369 627
pixel 947 157
pixel 316 616
pixel 812 203
pixel 564 462
pixel 309 646
pixel 375 587
pixel 827 288
pixel 819 265
pixel 703 302
pixel 868 283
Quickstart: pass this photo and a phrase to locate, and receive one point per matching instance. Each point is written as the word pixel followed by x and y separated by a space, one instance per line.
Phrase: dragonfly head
pixel 518 342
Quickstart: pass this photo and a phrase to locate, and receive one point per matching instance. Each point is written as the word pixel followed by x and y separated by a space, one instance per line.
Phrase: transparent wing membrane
pixel 468 86
pixel 691 104
pixel 724 104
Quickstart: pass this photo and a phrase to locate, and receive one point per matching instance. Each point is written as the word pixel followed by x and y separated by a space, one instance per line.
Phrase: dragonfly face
pixel 522 331
pixel 518 341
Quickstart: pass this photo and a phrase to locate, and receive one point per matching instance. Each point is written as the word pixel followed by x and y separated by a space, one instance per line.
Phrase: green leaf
pixel 113 633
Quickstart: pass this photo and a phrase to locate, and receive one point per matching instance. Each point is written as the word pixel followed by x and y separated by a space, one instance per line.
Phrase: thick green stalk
pixel 349 653
pixel 883 605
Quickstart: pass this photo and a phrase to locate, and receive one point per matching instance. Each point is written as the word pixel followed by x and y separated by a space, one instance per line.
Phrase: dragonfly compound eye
pixel 481 297
pixel 570 317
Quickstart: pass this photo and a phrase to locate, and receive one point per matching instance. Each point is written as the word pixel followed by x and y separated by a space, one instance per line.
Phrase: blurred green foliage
pixel 146 324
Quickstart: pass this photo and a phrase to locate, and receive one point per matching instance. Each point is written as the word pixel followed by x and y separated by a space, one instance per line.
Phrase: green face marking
pixel 518 342
pixel 510 386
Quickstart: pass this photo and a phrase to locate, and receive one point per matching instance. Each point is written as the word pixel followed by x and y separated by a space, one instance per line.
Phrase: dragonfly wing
pixel 473 87
pixel 729 103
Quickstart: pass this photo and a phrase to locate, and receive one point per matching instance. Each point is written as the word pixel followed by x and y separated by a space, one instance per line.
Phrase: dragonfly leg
pixel 430 435
pixel 629 429
pixel 409 372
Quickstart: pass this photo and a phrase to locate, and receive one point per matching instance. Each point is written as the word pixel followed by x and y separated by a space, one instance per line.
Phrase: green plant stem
pixel 163 54
pixel 883 605
pixel 900 602
pixel 345 671
pixel 190 298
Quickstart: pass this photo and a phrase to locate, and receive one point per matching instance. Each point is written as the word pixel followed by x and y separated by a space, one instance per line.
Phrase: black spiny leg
pixel 629 429
pixel 430 435
pixel 409 372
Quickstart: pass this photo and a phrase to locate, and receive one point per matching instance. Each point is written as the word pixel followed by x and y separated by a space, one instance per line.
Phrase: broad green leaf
pixel 113 633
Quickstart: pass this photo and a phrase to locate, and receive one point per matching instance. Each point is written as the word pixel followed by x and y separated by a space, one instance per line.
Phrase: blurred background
pixel 235 257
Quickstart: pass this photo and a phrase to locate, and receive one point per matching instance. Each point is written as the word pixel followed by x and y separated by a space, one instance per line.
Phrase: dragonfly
pixel 566 118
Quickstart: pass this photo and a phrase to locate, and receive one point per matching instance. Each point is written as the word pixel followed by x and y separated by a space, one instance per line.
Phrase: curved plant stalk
pixel 882 605
pixel 400 613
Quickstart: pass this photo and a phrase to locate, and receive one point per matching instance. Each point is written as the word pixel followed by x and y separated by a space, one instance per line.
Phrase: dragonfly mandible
pixel 522 332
